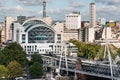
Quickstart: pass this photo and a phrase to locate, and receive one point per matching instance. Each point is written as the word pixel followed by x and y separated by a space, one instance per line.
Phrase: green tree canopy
pixel 11 52
pixel 86 50
pixel 15 69
pixel 3 72
pixel 36 70
pixel 36 58
pixel 118 52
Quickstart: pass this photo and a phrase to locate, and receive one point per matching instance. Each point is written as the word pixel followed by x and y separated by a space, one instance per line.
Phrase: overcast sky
pixel 57 9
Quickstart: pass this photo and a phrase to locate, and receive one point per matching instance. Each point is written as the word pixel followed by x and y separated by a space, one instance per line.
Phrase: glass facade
pixel 41 34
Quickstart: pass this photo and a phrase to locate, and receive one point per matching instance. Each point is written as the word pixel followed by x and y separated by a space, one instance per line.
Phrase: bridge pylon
pixel 63 57
pixel 107 52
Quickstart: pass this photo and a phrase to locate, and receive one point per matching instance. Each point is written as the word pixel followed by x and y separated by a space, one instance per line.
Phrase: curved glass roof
pixel 31 23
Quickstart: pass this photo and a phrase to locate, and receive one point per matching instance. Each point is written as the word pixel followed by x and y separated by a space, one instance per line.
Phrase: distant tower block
pixel 92 15
pixel 44 8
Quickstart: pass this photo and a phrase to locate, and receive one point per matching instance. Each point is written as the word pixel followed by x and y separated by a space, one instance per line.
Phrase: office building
pixel 21 19
pixel 107 34
pixel 73 20
pixel 70 34
pixel 118 25
pixel 2 32
pixel 8 22
pixel 87 35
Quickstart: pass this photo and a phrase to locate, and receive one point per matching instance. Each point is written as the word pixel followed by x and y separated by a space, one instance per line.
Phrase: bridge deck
pixel 93 69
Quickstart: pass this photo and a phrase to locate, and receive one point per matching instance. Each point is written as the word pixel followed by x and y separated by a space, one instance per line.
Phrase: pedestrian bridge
pixel 72 64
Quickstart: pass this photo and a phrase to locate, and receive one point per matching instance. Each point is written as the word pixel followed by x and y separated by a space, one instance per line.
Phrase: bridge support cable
pixel 110 60
pixel 60 63
pixel 66 59
pixel 105 52
pixel 63 57
pixel 108 53
pixel 51 68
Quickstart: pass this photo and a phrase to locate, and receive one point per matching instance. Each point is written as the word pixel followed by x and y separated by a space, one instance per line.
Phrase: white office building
pixel 73 21
pixel 91 35
pixel 107 33
pixel 8 21
pixel 87 35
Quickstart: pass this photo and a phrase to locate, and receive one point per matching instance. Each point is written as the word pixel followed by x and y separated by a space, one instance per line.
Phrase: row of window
pixel 34 48
pixel 30 48
pixel 71 16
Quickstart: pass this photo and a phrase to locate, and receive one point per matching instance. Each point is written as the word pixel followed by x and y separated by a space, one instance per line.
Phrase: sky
pixel 58 9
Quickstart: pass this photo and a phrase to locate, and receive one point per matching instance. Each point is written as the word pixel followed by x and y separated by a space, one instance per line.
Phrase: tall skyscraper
pixel 92 15
pixel 73 21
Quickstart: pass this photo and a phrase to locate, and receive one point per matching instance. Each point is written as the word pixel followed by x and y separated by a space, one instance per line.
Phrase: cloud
pixel 57 13
pixel 31 2
pixel 77 4
pixel 15 11
pixel 107 9
pixel 60 13
pixel 2 3
pixel 19 8
pixel 109 2
pixel 108 12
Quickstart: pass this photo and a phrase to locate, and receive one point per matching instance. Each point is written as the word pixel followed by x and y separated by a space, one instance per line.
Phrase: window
pixel 58 38
pixel 23 38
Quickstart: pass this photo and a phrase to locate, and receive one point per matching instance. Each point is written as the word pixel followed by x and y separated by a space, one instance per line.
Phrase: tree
pixel 11 52
pixel 15 69
pixel 86 50
pixel 36 58
pixel 36 66
pixel 36 70
pixel 3 72
pixel 118 52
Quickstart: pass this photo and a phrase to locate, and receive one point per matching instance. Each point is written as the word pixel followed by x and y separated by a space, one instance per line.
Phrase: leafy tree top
pixel 15 69
pixel 86 50
pixel 3 71
pixel 36 70
pixel 36 58
pixel 11 52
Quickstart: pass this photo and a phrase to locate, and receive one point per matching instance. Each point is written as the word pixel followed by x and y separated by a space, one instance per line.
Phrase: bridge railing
pixel 90 68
